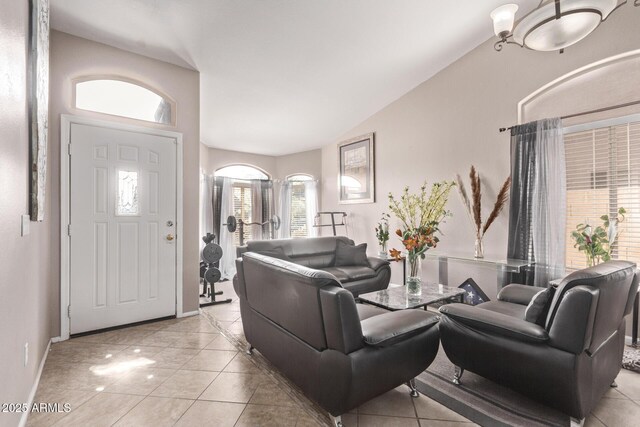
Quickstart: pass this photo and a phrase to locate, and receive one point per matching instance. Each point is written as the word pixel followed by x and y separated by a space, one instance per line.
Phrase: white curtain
pixel 311 198
pixel 228 260
pixel 284 210
pixel 256 209
pixel 206 205
pixel 549 213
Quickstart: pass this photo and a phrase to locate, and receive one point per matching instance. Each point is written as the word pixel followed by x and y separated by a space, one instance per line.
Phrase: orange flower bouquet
pixel 421 215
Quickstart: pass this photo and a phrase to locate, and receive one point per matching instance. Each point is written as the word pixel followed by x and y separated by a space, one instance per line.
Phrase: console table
pixel 502 266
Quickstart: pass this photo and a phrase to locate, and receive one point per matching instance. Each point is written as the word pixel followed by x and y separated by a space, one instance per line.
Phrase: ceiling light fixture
pixel 553 25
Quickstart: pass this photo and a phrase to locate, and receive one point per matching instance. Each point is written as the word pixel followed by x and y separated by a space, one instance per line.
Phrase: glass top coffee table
pixel 397 298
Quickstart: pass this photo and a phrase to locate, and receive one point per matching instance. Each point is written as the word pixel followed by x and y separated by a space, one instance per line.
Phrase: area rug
pixel 482 401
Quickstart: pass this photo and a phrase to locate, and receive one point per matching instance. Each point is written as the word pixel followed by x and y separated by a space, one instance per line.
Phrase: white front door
pixel 122 227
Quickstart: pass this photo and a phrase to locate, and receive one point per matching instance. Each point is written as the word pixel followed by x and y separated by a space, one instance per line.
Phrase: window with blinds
pixel 603 175
pixel 298 205
pixel 298 210
pixel 242 210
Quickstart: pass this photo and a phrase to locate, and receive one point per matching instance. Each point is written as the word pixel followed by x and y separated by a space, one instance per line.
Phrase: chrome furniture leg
pixel 614 385
pixel 412 385
pixel 576 422
pixel 337 421
pixel 250 350
pixel 457 374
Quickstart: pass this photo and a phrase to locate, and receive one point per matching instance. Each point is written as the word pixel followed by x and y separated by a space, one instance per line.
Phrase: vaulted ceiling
pixel 284 76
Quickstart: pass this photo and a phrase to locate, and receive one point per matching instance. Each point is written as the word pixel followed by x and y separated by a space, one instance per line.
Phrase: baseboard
pixel 627 340
pixel 190 313
pixel 34 388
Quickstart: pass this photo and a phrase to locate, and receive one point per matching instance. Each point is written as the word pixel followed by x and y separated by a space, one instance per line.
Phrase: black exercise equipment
pixel 334 224
pixel 209 272
pixel 234 224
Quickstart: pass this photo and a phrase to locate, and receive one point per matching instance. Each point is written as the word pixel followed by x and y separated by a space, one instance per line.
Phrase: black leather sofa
pixel 570 359
pixel 320 253
pixel 341 354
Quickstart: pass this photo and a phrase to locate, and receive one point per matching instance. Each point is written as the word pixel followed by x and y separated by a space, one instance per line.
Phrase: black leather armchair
pixel 341 354
pixel 567 363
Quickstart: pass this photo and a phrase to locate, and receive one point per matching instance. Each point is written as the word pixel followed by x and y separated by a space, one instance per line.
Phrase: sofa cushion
pixel 338 273
pixel 348 255
pixel 357 273
pixel 537 310
pixel 350 273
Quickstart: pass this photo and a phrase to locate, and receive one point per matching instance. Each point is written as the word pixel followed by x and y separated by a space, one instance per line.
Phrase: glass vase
pixel 414 281
pixel 479 248
pixel 383 250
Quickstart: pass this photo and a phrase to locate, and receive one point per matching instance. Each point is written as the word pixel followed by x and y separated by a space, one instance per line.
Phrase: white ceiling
pixel 284 76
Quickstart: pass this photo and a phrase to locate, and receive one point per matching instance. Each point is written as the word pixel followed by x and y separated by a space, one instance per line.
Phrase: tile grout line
pixel 415 410
pixel 186 410
pixel 241 413
pixel 123 415
pixel 80 405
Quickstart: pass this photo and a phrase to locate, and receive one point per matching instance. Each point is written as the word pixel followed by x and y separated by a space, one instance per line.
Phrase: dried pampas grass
pixel 501 200
pixel 474 205
pixel 476 195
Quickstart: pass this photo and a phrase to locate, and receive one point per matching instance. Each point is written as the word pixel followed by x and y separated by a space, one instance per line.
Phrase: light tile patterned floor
pixel 185 372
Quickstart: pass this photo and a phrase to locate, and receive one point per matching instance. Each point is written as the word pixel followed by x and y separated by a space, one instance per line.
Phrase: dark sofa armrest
pixel 494 323
pixel 389 328
pixel 238 280
pixel 375 263
pixel 518 294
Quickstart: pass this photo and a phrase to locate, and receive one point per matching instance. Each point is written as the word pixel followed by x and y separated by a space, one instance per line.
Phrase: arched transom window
pixel 241 172
pixel 125 99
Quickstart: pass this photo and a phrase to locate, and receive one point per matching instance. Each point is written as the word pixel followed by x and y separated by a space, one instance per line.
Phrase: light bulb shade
pixel 541 30
pixel 503 18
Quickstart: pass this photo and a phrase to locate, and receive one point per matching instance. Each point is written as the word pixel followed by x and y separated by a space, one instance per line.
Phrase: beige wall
pixel 451 121
pixel 278 167
pixel 73 57
pixel 27 282
pixel 218 158
pixel 308 162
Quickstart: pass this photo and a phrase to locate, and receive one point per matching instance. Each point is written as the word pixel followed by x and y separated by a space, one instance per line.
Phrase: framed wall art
pixel 356 180
pixel 38 104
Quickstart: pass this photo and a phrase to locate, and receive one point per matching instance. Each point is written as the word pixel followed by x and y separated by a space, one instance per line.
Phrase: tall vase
pixel 383 250
pixel 414 281
pixel 479 248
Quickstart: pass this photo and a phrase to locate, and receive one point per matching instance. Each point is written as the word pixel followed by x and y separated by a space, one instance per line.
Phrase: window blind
pixel 298 210
pixel 603 175
pixel 242 210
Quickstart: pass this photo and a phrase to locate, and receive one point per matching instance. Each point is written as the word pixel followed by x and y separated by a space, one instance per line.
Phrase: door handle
pixel 170 237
